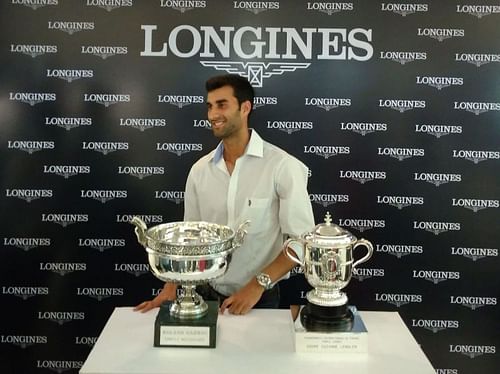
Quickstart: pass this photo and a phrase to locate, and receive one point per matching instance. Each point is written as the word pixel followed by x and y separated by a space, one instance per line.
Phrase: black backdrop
pixel 393 107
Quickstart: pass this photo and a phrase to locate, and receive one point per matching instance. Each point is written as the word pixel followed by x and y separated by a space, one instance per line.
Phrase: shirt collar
pixel 255 147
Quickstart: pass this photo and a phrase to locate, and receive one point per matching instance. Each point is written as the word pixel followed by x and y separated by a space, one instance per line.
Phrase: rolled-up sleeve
pixel 295 211
pixel 191 207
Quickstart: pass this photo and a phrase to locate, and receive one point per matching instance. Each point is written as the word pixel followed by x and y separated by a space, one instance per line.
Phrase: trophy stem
pixel 189 304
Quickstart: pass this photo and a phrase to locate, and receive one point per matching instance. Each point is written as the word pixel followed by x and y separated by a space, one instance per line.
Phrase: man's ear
pixel 246 107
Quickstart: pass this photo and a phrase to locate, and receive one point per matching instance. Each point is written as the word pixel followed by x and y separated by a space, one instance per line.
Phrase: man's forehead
pixel 224 93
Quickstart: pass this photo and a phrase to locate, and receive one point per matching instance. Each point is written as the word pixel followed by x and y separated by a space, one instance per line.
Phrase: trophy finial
pixel 328 218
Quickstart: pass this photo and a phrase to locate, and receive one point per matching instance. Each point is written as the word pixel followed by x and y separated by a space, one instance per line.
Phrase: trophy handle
pixel 241 233
pixel 140 229
pixel 286 251
pixel 368 246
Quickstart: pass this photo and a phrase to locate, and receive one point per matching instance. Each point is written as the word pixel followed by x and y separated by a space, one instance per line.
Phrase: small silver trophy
pixel 189 254
pixel 328 264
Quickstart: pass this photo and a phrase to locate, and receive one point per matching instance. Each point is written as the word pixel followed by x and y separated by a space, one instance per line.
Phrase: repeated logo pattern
pixel 103 115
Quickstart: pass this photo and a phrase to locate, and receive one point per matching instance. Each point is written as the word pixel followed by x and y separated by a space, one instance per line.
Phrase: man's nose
pixel 213 114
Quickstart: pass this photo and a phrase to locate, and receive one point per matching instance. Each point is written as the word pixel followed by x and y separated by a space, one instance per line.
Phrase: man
pixel 245 178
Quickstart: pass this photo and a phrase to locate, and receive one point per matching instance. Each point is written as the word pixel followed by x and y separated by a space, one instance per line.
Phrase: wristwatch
pixel 265 281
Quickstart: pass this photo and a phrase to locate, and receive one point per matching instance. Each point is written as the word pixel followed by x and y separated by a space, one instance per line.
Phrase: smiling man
pixel 245 178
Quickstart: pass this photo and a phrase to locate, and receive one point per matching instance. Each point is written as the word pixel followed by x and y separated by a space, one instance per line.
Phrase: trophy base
pixel 327 318
pixel 346 338
pixel 171 331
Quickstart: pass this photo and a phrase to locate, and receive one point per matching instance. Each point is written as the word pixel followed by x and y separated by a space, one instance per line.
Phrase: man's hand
pixel 167 293
pixel 242 301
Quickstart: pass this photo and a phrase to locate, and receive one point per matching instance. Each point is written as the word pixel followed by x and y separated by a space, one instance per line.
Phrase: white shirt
pixel 268 187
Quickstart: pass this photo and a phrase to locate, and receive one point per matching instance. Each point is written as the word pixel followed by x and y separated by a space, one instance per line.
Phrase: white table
pixel 259 342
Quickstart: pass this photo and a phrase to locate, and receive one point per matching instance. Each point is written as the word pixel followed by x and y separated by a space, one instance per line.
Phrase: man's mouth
pixel 217 124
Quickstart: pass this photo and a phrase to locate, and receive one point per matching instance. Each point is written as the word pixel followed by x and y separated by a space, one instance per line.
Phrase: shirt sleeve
pixel 295 212
pixel 191 207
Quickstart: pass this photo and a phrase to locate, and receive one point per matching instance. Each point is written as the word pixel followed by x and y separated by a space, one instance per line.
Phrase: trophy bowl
pixel 328 265
pixel 188 253
pixel 328 261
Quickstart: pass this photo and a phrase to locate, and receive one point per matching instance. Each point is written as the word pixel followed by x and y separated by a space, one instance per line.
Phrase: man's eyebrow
pixel 218 101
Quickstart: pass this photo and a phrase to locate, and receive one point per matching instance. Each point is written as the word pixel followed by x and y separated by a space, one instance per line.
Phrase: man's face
pixel 224 112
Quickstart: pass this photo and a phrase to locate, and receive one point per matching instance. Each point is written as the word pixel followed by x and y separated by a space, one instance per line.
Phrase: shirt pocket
pixel 257 210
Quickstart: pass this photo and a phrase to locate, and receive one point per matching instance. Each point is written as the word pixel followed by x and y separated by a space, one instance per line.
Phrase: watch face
pixel 264 280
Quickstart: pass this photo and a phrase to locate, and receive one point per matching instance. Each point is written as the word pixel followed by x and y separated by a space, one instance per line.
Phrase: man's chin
pixel 219 133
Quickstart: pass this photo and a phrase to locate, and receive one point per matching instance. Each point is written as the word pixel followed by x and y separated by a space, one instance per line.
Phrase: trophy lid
pixel 330 234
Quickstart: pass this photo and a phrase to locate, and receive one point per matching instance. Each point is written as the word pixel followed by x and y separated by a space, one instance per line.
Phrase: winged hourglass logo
pixel 256 72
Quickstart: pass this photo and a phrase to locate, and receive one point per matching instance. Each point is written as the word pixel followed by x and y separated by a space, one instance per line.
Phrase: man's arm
pixel 191 207
pixel 245 299
pixel 295 217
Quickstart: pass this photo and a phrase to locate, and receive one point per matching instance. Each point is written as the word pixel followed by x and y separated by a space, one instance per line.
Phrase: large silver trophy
pixel 328 265
pixel 189 254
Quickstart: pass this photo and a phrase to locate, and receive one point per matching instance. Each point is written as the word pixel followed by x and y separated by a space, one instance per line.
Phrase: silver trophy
pixel 189 254
pixel 328 264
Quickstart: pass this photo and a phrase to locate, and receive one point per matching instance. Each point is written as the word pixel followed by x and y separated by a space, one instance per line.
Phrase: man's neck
pixel 234 147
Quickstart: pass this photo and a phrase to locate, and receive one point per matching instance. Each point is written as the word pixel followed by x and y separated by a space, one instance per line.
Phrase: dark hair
pixel 242 89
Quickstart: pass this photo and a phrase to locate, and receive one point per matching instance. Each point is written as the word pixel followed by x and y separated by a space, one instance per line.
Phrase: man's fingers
pixel 147 307
pixel 144 307
pixel 140 306
pixel 238 308
pixel 226 304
